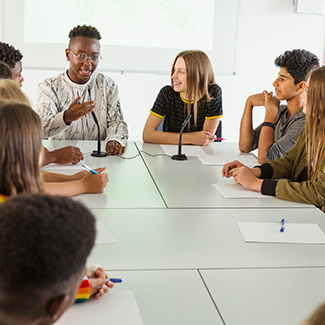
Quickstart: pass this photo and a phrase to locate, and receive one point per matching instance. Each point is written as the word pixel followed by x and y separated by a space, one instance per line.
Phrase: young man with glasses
pixel 64 102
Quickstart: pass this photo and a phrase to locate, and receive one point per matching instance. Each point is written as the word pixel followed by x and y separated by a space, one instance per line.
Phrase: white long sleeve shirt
pixel 55 95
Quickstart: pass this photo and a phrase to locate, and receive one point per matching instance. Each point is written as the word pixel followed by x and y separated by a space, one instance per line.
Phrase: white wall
pixel 267 29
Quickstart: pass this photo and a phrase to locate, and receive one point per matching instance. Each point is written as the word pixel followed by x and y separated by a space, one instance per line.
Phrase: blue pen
pixel 282 226
pixel 115 280
pixel 89 169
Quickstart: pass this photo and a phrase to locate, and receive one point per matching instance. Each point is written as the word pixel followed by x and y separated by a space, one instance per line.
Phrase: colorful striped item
pixel 84 291
pixel 2 198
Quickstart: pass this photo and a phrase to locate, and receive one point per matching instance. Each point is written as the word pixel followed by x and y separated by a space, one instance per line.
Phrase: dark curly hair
pixel 44 243
pixel 85 31
pixel 9 55
pixel 298 63
pixel 5 71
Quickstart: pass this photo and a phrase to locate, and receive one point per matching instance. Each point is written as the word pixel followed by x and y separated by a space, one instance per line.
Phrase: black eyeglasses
pixel 83 57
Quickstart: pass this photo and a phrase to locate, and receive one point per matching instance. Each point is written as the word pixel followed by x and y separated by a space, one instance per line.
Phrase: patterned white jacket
pixel 54 96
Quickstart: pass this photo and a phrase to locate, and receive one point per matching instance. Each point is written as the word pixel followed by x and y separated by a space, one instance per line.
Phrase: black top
pixel 171 107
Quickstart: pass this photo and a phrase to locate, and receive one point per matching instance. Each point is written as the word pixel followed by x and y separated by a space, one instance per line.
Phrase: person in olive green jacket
pixel 300 175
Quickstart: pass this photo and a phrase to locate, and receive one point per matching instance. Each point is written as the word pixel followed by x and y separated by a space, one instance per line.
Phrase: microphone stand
pixel 97 153
pixel 181 156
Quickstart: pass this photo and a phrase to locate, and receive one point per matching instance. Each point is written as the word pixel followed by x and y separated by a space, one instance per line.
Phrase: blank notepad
pixel 220 160
pixel 188 150
pixel 294 233
pixel 235 191
pixel 115 308
pixel 103 236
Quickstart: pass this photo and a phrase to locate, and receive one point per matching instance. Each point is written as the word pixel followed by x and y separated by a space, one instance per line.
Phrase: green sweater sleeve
pixel 293 184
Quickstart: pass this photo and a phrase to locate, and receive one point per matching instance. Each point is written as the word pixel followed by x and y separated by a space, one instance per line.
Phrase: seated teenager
pixel 44 245
pixel 12 57
pixel 194 92
pixel 21 156
pixel 64 102
pixel 282 123
pixel 299 175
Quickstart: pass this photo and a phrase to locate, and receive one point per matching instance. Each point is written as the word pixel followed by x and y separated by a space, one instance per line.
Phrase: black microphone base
pixel 179 157
pixel 99 154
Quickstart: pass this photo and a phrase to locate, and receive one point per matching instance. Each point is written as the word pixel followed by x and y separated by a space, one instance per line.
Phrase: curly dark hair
pixel 44 243
pixel 298 63
pixel 85 31
pixel 9 55
pixel 5 71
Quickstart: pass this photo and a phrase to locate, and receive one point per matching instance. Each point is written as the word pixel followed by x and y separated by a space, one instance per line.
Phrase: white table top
pixel 130 184
pixel 181 251
pixel 200 238
pixel 266 296
pixel 170 297
pixel 188 184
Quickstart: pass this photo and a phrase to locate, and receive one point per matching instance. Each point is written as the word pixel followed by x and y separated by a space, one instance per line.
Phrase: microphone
pixel 97 153
pixel 181 156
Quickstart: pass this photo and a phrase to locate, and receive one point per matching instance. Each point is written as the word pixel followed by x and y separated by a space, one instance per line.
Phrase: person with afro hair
pixel 282 123
pixel 12 57
pixel 44 244
pixel 64 102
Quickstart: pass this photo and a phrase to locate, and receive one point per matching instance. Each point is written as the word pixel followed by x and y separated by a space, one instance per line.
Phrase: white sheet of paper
pixel 309 7
pixel 115 308
pixel 103 236
pixel 295 233
pixel 235 191
pixel 188 150
pixel 220 160
pixel 88 146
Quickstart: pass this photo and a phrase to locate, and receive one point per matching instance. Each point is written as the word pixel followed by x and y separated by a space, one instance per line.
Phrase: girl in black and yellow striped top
pixel 194 92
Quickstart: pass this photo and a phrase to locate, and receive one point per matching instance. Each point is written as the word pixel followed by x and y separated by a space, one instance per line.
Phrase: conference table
pixel 180 249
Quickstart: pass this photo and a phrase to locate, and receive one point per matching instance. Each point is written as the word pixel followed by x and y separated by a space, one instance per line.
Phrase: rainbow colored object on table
pixel 2 198
pixel 84 292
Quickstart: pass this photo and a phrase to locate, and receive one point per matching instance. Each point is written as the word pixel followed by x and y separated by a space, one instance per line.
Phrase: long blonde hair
pixel 21 143
pixel 199 77
pixel 315 121
pixel 9 89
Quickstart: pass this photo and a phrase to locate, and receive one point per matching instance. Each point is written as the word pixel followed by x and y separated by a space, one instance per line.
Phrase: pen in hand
pixel 115 280
pixel 89 169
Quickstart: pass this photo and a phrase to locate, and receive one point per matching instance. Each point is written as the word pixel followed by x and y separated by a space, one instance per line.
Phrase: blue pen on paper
pixel 89 169
pixel 282 226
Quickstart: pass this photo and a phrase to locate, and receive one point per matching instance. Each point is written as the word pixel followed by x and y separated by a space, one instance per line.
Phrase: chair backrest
pixel 219 131
pixel 160 127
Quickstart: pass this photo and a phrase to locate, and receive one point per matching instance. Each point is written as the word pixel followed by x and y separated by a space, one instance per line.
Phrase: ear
pixel 67 54
pixel 302 86
pixel 57 306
